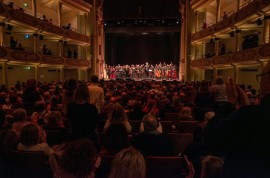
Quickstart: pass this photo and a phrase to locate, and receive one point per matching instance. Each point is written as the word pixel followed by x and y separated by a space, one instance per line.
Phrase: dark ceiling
pixel 140 9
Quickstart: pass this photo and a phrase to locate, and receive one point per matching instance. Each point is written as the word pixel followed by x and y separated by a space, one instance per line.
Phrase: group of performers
pixel 142 71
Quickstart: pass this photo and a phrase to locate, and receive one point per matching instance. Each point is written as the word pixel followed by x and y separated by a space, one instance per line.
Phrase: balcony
pixel 13 55
pixel 248 56
pixel 245 12
pixel 32 22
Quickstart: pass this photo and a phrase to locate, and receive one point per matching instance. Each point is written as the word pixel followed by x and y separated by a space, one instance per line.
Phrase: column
pixel 216 46
pixel 238 5
pixel 95 62
pixel 238 40
pixel 266 29
pixel 4 73
pixel 85 23
pixel 35 36
pixel 218 11
pixel 61 50
pixel 195 51
pixel 215 74
pixel 61 74
pixel 2 33
pixel 34 8
pixel 235 73
pixel 196 22
pixel 36 72
pixel 60 13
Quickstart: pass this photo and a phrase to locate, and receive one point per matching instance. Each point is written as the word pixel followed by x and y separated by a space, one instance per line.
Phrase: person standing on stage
pixel 96 93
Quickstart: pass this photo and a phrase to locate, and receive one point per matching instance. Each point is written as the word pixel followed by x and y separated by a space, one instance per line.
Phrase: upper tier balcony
pixel 235 18
pixel 12 14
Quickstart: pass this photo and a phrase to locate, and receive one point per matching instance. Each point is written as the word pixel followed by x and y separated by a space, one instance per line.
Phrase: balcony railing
pixel 248 56
pixel 9 54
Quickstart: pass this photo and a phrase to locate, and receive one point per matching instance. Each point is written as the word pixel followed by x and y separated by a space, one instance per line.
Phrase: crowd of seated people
pixel 66 106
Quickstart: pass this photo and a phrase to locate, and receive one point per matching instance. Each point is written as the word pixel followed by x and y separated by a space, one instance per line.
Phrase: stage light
pixel 27 36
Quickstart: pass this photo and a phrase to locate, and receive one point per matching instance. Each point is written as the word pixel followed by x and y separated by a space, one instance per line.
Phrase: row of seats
pixel 168 126
pixel 33 164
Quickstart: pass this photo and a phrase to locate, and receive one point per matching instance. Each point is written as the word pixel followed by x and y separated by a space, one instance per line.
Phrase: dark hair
pixel 79 157
pixel 71 86
pixel 94 79
pixel 29 135
pixel 116 138
pixel 81 93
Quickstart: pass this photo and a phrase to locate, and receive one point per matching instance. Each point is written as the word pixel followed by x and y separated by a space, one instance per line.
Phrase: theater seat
pixel 186 126
pixel 166 167
pixel 166 126
pixel 29 164
pixel 170 116
pixel 180 141
pixel 104 169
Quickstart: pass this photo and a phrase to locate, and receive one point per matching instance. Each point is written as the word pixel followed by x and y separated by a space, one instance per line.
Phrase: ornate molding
pixel 201 63
pixel 24 56
pixel 50 28
pixel 245 56
pixel 222 60
pixel 264 50
pixel 51 60
pixel 22 17
pixel 77 36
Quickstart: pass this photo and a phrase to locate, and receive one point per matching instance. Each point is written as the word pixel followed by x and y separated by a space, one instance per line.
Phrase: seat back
pixel 166 126
pixel 180 141
pixel 187 126
pixel 30 164
pixel 135 124
pixel 171 116
pixel 56 137
pixel 104 169
pixel 166 167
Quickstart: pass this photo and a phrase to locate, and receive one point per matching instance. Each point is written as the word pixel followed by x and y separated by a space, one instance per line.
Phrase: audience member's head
pixel 30 135
pixel 185 113
pixel 150 123
pixel 53 120
pixel 128 163
pixel 211 167
pixel 118 114
pixel 81 93
pixel 94 79
pixel 79 158
pixel 19 115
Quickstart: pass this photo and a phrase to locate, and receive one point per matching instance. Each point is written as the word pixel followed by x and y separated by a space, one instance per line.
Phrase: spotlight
pixel 25 5
pixel 27 36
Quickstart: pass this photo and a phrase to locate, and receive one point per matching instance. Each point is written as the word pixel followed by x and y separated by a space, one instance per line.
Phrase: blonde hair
pixel 185 113
pixel 211 167
pixel 118 114
pixel 128 163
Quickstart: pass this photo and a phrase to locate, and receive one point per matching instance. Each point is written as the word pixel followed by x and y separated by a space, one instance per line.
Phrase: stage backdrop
pixel 140 48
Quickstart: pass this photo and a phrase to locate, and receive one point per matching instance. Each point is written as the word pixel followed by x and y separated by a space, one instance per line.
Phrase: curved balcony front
pixel 244 57
pixel 13 55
